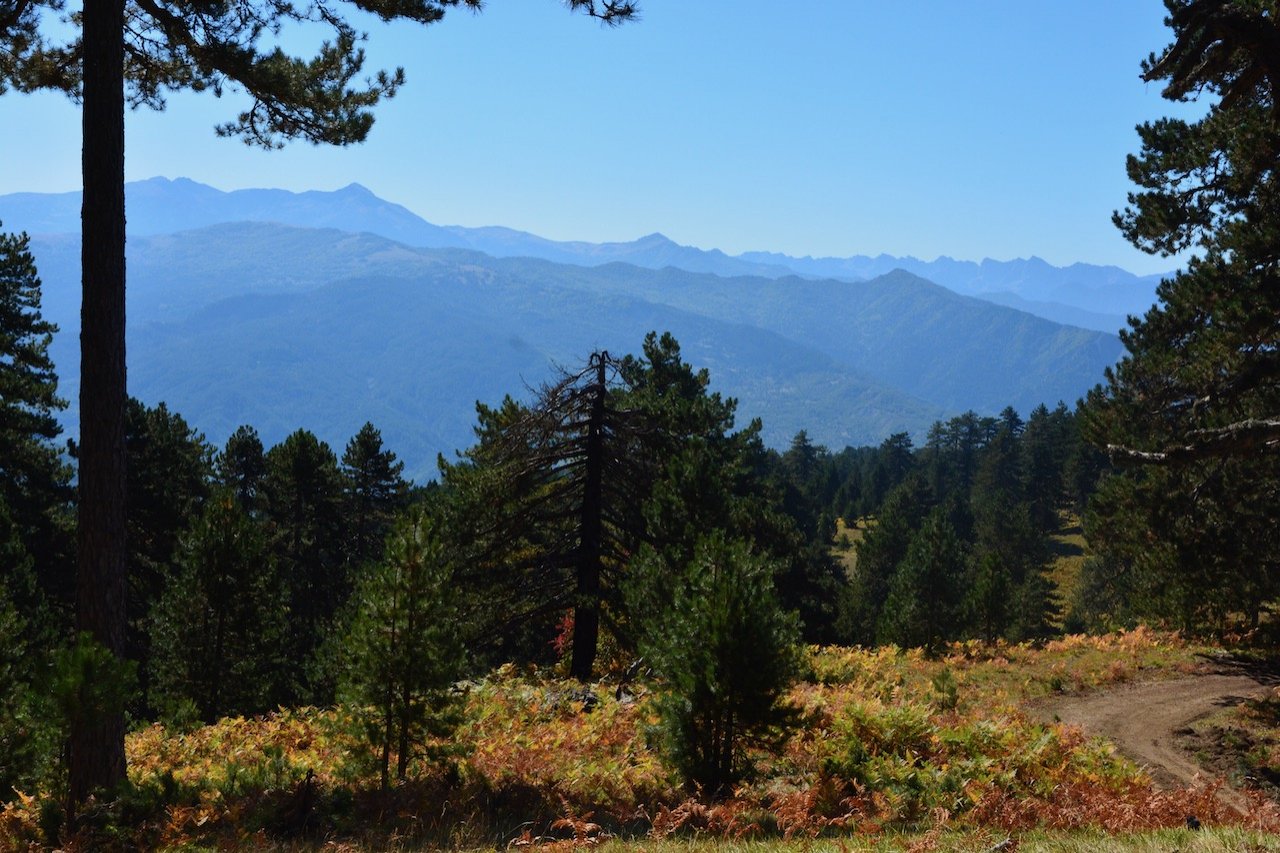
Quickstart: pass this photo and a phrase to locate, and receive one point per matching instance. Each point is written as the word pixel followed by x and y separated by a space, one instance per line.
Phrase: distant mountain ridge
pixel 1090 296
pixel 282 327
pixel 1106 290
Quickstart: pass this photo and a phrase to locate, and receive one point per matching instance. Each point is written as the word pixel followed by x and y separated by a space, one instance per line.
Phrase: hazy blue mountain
pixel 653 252
pixel 1067 315
pixel 162 206
pixel 413 355
pixel 227 333
pixel 949 350
pixel 1095 289
pixel 284 327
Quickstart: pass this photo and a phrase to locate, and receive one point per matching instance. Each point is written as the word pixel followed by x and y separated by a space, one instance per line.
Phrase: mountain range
pixel 1086 295
pixel 281 326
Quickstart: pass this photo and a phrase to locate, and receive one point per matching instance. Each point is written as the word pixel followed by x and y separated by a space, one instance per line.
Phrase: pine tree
pixel 557 497
pixel 880 552
pixel 303 508
pixel 1196 399
pixel 242 467
pixel 374 491
pixel 27 743
pixel 546 504
pixel 219 629
pixel 1009 557
pixel 923 607
pixel 170 467
pixel 1200 378
pixel 34 477
pixel 403 649
pixel 35 536
pixel 727 652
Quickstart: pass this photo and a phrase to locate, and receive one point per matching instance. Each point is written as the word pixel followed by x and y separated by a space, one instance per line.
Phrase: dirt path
pixel 1143 719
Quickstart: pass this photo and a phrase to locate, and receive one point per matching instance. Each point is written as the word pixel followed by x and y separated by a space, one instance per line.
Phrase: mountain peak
pixel 655 239
pixel 355 189
pixel 162 181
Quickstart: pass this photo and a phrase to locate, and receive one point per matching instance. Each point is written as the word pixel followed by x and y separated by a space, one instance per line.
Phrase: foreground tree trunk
pixel 97 739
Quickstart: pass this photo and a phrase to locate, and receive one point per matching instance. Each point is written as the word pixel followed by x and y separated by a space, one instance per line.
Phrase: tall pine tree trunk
pixel 586 614
pixel 97 739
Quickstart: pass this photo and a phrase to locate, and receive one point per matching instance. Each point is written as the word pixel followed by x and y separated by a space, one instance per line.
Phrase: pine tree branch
pixel 14 15
pixel 1231 440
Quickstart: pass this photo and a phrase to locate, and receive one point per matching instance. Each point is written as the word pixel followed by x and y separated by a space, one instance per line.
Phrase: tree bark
pixel 97 739
pixel 586 614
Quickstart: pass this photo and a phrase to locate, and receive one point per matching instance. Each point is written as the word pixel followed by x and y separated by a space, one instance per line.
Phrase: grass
pixel 847 555
pixel 1068 552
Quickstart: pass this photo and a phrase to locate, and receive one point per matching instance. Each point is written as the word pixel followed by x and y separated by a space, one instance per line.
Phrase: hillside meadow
pixel 893 751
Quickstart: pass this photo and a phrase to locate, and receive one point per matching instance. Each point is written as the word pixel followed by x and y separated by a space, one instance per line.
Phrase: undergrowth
pixel 890 741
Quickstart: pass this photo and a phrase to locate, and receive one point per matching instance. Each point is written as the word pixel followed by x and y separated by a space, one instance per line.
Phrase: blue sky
pixel 826 127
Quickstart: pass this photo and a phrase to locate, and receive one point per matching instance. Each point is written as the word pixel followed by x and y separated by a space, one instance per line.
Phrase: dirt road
pixel 1142 719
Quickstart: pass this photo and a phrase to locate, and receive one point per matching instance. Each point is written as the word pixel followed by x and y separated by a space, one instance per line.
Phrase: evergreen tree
pixel 1196 399
pixel 34 478
pixel 557 497
pixel 1191 555
pixel 219 628
pixel 802 468
pixel 170 466
pixel 548 503
pixel 35 522
pixel 923 607
pixel 242 467
pixel 727 653
pixel 1199 380
pixel 884 470
pixel 303 508
pixel 27 745
pixel 988 596
pixel 953 449
pixel 170 469
pixel 1009 550
pixel 403 649
pixel 999 467
pixel 718 485
pixel 374 491
pixel 1009 558
pixel 1044 457
pixel 879 553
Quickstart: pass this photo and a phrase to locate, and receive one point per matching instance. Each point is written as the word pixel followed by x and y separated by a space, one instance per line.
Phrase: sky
pixel 982 128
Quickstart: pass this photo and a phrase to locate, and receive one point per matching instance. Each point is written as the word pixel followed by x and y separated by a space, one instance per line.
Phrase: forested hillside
pixel 279 326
